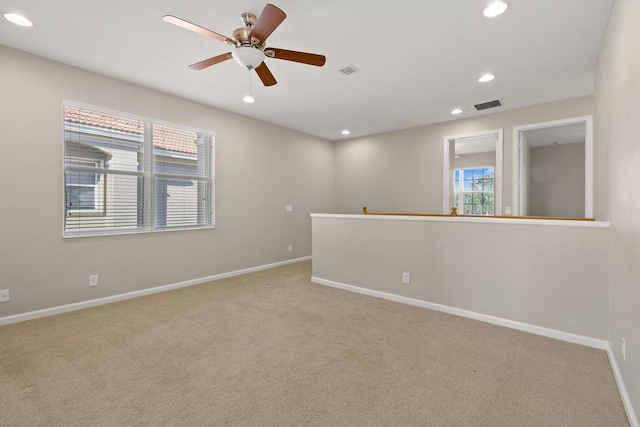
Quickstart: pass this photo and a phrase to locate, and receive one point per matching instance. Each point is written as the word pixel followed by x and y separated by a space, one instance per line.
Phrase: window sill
pixel 129 232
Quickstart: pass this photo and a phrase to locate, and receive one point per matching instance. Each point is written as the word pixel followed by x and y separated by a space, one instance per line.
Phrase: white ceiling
pixel 418 59
pixel 475 144
pixel 562 134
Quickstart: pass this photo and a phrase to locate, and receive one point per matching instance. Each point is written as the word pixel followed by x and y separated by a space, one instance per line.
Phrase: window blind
pixel 125 174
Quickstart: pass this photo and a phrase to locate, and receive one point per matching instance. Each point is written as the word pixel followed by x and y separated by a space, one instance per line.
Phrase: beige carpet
pixel 273 349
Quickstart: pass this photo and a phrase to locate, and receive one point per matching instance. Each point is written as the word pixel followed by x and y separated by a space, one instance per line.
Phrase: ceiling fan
pixel 249 42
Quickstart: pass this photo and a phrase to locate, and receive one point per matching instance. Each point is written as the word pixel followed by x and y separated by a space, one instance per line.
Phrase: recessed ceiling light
pixel 486 78
pixel 18 19
pixel 494 9
pixel 346 132
pixel 249 99
pixel 456 111
pixel 404 122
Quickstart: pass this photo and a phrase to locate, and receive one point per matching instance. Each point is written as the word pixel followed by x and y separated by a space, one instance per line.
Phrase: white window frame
pixel 461 191
pixel 99 188
pixel 206 218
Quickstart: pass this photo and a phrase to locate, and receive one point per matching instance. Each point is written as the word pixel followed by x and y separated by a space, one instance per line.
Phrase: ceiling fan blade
pixel 295 56
pixel 268 21
pixel 196 28
pixel 211 61
pixel 265 75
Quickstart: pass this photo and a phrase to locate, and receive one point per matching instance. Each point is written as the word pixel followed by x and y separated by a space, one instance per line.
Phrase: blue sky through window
pixel 477 185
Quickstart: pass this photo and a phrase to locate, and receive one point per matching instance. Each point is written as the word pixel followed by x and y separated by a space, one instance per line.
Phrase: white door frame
pixel 447 194
pixel 518 146
pixel 521 177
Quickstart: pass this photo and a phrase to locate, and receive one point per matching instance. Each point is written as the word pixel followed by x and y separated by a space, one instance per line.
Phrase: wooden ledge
pixel 454 213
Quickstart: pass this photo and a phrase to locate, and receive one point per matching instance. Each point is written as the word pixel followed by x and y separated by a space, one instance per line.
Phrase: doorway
pixel 553 169
pixel 473 151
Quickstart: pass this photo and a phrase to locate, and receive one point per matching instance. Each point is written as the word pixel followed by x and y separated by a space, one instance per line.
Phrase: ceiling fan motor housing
pixel 242 35
pixel 247 54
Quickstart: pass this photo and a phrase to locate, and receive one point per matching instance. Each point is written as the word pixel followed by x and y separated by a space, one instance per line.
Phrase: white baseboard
pixel 106 300
pixel 624 395
pixel 538 330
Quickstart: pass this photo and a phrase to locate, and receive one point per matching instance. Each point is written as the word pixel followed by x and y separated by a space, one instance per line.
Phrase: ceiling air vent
pixel 485 105
pixel 349 69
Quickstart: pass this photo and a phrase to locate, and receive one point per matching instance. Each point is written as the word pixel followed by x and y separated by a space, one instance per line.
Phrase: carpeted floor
pixel 273 349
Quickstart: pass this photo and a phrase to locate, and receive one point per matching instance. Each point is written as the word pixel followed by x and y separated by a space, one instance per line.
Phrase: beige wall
pixel 475 160
pixel 402 171
pixel 556 181
pixel 617 127
pixel 259 168
pixel 551 277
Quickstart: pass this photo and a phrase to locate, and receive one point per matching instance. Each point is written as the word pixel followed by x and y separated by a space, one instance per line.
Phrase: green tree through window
pixel 474 191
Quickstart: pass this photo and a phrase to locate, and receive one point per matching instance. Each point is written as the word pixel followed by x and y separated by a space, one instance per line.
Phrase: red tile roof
pixel 164 137
pixel 173 139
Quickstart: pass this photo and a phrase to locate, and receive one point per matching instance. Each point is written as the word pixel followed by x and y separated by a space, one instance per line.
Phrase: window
pixel 125 174
pixel 85 190
pixel 473 191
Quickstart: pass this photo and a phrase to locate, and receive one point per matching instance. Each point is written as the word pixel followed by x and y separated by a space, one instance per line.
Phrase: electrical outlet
pixel 93 280
pixel 624 349
pixel 4 295
pixel 288 208
pixel 290 248
pixel 406 278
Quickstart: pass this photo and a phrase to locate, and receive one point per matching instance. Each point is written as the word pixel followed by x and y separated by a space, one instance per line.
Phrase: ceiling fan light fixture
pixel 494 9
pixel 248 56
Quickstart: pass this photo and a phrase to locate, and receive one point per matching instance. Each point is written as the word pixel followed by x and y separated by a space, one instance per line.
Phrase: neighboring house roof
pixel 173 139
pixel 164 137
